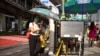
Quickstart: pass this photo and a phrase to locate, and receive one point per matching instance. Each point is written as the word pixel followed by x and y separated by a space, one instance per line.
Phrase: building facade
pixel 15 13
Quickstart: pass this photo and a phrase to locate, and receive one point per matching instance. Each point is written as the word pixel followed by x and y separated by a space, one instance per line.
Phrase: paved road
pixel 23 50
pixel 17 50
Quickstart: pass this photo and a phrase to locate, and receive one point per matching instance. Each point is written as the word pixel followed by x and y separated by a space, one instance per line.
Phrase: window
pixel 22 2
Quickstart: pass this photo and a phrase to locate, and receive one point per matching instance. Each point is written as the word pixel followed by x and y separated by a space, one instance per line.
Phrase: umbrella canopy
pixel 45 12
pixel 81 6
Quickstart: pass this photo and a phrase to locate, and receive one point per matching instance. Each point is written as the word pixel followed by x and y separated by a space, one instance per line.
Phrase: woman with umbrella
pixel 34 42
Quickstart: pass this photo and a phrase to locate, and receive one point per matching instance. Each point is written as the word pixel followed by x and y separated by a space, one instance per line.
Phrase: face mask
pixel 36 20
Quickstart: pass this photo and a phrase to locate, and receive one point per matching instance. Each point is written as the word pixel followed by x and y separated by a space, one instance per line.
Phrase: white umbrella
pixel 45 12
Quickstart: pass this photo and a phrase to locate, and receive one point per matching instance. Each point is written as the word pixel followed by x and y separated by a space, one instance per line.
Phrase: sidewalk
pixel 9 41
pixel 91 51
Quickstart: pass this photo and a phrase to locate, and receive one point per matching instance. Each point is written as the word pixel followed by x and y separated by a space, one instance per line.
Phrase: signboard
pixel 72 28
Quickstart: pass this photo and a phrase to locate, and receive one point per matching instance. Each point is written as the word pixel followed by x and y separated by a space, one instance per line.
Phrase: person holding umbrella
pixel 34 41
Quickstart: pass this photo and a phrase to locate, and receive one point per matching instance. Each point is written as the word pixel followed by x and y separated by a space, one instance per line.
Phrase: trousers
pixel 34 45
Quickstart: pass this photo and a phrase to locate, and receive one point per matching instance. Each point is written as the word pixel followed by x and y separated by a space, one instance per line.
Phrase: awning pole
pixel 63 11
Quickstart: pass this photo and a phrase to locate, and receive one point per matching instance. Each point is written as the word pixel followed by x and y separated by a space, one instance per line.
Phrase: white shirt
pixel 35 26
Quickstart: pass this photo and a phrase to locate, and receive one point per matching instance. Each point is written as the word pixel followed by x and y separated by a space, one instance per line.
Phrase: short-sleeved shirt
pixel 35 27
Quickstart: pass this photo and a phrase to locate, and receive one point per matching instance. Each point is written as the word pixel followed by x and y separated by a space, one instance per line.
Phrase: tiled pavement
pixel 91 51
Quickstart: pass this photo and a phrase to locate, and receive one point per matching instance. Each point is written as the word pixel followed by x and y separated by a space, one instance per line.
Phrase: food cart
pixel 71 38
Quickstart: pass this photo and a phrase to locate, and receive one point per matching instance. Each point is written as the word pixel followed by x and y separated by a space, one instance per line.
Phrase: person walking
pixel 34 41
pixel 92 33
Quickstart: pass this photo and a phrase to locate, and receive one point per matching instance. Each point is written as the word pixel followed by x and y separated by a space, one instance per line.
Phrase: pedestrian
pixel 97 32
pixel 92 33
pixel 42 38
pixel 34 41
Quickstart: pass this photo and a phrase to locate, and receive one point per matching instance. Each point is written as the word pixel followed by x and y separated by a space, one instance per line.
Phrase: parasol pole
pixel 63 11
pixel 82 11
